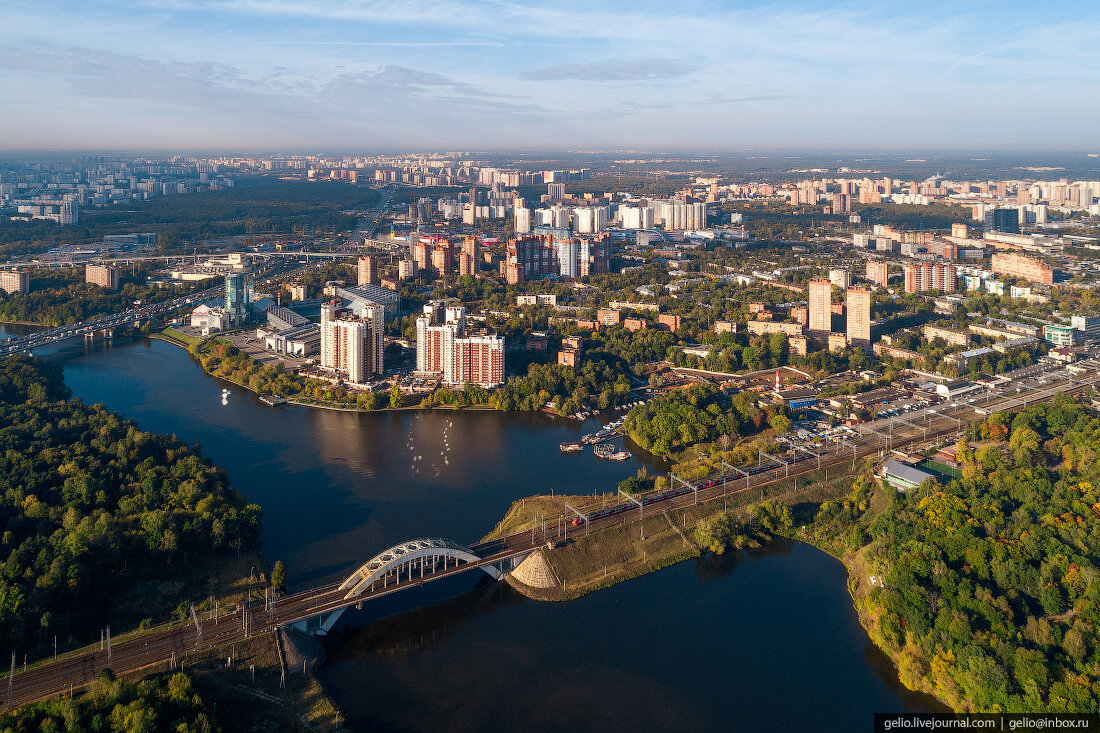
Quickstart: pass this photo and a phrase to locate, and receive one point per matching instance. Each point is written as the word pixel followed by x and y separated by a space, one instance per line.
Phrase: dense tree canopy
pixel 990 591
pixel 59 297
pixel 85 493
pixel 685 417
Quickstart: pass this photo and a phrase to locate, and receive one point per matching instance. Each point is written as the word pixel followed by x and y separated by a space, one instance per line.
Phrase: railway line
pixel 171 643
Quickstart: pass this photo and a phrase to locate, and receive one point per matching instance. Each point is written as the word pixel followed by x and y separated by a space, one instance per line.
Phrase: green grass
pixel 179 336
pixel 942 470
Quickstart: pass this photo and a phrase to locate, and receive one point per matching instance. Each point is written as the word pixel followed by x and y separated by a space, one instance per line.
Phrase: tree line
pixel 89 502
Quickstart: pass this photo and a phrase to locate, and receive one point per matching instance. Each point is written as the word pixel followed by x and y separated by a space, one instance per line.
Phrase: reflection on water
pixel 338 487
pixel 762 640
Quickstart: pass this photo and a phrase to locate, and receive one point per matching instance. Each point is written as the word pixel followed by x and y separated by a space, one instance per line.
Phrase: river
pixel 762 641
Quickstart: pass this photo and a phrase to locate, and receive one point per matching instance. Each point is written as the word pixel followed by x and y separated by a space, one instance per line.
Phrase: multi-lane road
pixel 161 645
pixel 136 314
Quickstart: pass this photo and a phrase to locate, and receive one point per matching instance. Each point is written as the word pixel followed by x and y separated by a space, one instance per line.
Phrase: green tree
pixel 278 576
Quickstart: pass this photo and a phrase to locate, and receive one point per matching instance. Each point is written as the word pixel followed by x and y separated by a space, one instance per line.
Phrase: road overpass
pixel 416 562
pixel 133 316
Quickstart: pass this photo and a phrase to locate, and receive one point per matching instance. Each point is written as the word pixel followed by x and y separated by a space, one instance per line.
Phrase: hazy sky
pixel 313 74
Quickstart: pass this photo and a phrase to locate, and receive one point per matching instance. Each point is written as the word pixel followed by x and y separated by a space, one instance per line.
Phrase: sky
pixel 313 75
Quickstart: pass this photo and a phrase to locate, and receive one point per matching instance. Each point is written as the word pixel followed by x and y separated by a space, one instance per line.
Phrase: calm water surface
pixel 764 641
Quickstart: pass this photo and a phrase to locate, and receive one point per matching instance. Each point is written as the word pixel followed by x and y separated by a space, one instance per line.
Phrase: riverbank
pixel 302 399
pixel 569 569
pixel 869 497
pixel 33 324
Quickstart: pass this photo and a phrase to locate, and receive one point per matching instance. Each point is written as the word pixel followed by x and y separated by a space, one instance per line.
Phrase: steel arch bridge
pixel 402 565
pixel 410 557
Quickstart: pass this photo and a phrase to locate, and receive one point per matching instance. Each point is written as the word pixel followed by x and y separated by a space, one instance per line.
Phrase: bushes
pixel 159 704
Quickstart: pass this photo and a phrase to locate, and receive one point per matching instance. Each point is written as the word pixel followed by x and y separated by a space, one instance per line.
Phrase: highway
pixel 161 645
pixel 127 317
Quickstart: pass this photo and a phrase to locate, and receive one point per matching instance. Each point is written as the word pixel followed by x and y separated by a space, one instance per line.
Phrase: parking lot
pixel 247 342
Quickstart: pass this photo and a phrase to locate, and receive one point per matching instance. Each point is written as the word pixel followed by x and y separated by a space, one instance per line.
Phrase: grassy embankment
pixel 585 563
pixel 173 336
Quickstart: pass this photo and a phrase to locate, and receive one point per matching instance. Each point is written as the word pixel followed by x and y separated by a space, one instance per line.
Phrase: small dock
pixel 273 401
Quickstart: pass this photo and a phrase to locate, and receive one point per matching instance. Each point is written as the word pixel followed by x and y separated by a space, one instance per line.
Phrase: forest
pixel 89 503
pixel 255 205
pixel 167 703
pixel 989 595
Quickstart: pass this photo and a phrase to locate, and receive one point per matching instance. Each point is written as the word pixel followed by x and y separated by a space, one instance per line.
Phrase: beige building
pixel 368 271
pixel 1010 263
pixel 352 346
pixel 763 327
pixel 15 281
pixel 950 336
pixel 859 317
pixel 105 276
pixel 798 345
pixel 878 272
pixel 922 277
pixel 821 300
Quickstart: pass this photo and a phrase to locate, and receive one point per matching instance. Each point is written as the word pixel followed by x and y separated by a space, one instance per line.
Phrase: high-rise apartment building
pixel 105 276
pixel 368 271
pixel 406 269
pixel 523 220
pixel 878 272
pixel 821 312
pixel 859 317
pixel 533 257
pixel 922 277
pixel 443 259
pixel 15 281
pixel 422 256
pixel 594 256
pixel 69 213
pixel 444 348
pixel 352 346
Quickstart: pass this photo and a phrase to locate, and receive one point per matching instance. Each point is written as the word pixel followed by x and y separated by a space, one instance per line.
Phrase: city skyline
pixel 263 73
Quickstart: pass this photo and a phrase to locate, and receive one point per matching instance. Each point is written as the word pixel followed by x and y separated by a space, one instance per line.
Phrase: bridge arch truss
pixel 408 559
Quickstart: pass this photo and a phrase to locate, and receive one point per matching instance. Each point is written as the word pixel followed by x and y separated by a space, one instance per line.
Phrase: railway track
pixel 161 646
